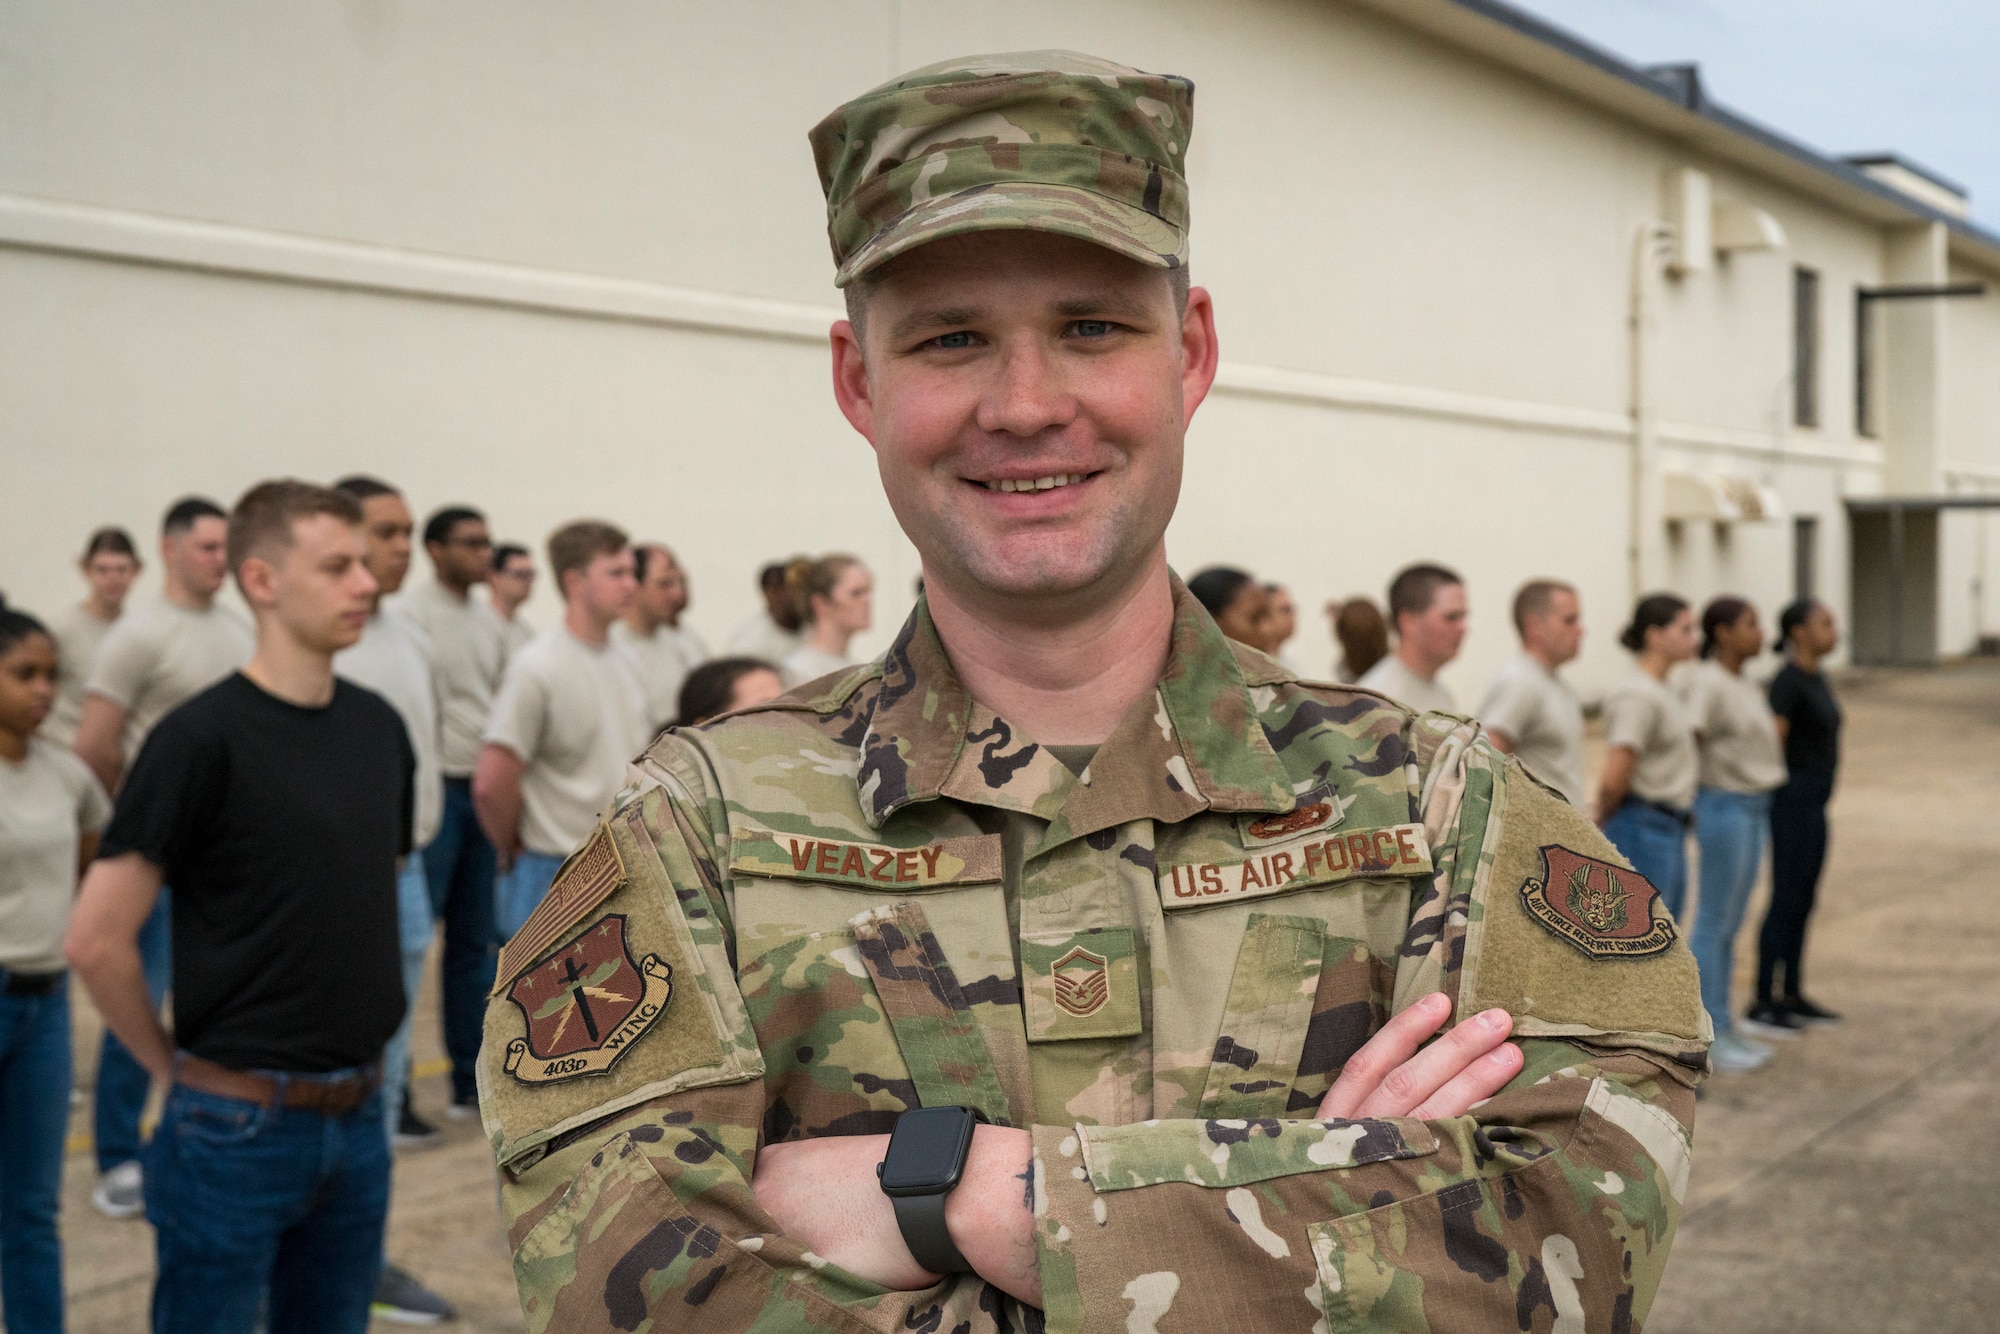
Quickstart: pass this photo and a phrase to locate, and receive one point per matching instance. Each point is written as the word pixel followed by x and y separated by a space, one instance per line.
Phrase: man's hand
pixel 1390 1077
pixel 823 1193
pixel 103 948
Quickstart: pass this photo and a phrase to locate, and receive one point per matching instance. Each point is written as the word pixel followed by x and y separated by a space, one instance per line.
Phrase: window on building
pixel 1805 347
pixel 1864 365
pixel 1805 557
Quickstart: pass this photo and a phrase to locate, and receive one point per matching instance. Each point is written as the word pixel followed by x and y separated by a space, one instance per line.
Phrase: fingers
pixel 1474 1085
pixel 1390 1077
pixel 1411 1085
pixel 1382 1054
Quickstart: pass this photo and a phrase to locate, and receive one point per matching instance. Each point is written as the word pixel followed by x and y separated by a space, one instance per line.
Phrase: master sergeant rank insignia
pixel 1606 911
pixel 1082 982
pixel 586 1005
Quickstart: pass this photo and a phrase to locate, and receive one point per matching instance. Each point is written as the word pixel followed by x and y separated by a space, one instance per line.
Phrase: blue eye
pixel 953 342
pixel 1093 328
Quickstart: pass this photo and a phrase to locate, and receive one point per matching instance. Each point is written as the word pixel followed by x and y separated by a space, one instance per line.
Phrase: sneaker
pixel 463 1110
pixel 413 1132
pixel 1811 1013
pixel 1737 1055
pixel 401 1300
pixel 121 1192
pixel 1769 1020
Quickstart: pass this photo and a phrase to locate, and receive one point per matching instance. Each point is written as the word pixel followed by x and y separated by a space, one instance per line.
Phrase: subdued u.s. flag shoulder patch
pixel 1606 911
pixel 590 876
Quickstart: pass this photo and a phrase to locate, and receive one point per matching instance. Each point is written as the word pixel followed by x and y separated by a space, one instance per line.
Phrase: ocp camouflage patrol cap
pixel 1051 141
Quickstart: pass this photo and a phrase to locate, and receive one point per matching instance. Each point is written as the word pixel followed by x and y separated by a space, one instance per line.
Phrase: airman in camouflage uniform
pixel 877 894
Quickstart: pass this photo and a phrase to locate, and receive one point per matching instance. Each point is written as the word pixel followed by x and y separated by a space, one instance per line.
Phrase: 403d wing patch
pixel 1606 911
pixel 586 1005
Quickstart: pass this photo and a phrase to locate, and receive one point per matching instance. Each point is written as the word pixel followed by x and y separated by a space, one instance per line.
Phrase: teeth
pixel 1035 484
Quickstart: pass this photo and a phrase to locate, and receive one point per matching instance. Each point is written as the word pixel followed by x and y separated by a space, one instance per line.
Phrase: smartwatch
pixel 926 1158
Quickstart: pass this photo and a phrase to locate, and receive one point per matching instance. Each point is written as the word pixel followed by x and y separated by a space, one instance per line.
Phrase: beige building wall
pixel 560 261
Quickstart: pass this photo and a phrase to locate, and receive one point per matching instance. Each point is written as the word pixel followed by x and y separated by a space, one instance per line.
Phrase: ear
pixel 258 579
pixel 1200 352
pixel 850 379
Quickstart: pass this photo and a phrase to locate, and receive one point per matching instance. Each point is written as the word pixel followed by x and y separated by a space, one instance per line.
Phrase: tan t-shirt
pixel 48 802
pixel 515 632
pixel 1543 720
pixel 468 653
pixel 78 632
pixel 1649 717
pixel 155 658
pixel 1737 732
pixel 576 715
pixel 1393 677
pixel 762 637
pixel 392 658
pixel 662 661
pixel 806 663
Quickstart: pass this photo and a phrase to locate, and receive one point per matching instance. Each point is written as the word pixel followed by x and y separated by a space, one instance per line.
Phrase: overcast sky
pixel 1917 77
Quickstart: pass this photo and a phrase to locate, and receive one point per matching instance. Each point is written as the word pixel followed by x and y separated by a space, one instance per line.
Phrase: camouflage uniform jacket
pixel 874 894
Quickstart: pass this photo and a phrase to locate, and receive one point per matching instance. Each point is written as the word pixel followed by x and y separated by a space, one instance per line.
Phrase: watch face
pixel 928 1150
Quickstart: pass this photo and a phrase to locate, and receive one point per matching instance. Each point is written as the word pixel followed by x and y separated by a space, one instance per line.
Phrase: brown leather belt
pixel 331 1097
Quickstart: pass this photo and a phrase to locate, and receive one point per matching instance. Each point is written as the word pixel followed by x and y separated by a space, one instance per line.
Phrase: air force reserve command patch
pixel 586 1005
pixel 1606 911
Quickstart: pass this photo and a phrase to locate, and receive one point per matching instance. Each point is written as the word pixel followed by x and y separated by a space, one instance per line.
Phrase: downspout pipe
pixel 1652 245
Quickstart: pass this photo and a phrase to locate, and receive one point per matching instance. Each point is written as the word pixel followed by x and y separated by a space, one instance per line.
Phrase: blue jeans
pixel 259 1207
pixel 413 919
pixel 1656 845
pixel 34 1111
pixel 122 1083
pixel 1730 829
pixel 458 862
pixel 521 890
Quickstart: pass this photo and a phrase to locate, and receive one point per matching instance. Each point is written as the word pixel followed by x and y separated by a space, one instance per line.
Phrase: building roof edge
pixel 1679 86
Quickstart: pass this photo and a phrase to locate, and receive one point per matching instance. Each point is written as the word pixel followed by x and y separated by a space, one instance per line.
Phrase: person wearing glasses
pixel 469 651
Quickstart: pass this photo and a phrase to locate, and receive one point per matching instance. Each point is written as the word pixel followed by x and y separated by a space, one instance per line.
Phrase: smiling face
pixel 1026 396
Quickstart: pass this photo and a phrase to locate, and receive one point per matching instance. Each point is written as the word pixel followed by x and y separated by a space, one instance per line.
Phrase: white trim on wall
pixel 134 237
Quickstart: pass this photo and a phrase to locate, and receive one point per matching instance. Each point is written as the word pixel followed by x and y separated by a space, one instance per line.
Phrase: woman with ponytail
pixel 1808 722
pixel 837 595
pixel 1741 763
pixel 1646 793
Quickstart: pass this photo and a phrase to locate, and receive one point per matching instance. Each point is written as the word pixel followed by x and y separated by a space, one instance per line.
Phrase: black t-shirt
pixel 1805 701
pixel 277 828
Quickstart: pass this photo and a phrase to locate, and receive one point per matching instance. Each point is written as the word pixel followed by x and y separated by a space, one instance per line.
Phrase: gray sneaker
pixel 401 1300
pixel 121 1192
pixel 1736 1054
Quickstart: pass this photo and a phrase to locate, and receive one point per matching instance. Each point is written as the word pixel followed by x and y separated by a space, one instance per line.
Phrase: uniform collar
pixel 1197 742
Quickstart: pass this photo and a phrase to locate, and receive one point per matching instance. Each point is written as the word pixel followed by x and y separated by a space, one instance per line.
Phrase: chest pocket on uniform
pixel 1080 984
pixel 1307 989
pixel 863 969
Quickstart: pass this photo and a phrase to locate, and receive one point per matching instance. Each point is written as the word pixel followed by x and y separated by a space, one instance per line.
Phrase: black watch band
pixel 921 1220
pixel 923 1165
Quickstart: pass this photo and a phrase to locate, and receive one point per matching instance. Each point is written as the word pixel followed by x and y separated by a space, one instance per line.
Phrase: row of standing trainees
pixel 442 658
pixel 1694 745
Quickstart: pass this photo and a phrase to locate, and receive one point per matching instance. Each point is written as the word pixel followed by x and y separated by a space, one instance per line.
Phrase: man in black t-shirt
pixel 262 799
